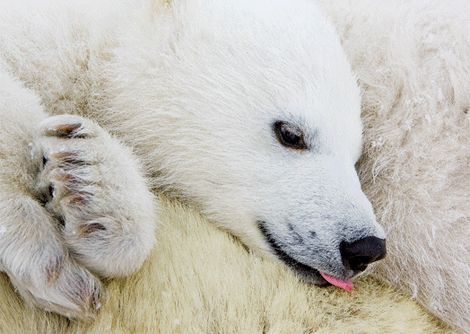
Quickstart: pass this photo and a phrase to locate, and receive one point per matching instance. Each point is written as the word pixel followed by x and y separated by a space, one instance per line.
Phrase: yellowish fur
pixel 201 280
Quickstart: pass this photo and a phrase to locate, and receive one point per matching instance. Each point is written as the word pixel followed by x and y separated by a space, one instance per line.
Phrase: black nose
pixel 358 254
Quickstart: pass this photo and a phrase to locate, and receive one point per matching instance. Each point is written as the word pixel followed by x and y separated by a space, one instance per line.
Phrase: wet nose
pixel 358 254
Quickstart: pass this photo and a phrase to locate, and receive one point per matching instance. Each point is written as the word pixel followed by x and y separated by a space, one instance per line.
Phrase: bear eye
pixel 290 135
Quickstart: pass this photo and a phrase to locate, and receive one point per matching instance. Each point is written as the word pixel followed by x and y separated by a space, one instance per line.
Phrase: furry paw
pixel 93 185
pixel 61 286
pixel 39 266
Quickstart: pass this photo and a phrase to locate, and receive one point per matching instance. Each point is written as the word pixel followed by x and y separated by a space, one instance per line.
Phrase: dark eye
pixel 290 135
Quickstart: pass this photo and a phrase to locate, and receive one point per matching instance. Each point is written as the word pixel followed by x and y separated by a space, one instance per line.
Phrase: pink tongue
pixel 343 284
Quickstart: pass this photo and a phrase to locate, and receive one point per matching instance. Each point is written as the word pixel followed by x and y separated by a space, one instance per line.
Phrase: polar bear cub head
pixel 256 118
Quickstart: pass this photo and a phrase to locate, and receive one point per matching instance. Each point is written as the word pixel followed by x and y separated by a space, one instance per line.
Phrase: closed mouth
pixel 306 272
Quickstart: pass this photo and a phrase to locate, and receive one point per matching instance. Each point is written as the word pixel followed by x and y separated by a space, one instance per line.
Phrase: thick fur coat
pixel 410 57
pixel 194 89
pixel 198 279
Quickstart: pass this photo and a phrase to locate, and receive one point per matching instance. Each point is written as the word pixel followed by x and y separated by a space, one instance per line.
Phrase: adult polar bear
pixel 153 82
pixel 411 60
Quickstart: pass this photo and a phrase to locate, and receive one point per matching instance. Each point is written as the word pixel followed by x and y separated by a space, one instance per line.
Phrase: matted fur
pixel 200 280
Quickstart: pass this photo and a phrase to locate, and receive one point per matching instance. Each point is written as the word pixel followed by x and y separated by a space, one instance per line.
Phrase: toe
pixel 66 288
pixel 68 126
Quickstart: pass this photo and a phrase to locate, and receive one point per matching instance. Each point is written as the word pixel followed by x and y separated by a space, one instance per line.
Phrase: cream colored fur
pixel 412 61
pixel 415 105
pixel 200 280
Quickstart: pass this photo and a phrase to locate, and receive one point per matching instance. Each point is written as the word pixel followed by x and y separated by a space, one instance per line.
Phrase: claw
pixel 90 298
pixel 53 269
pixel 64 130
pixel 68 179
pixel 66 157
pixel 87 229
pixel 77 199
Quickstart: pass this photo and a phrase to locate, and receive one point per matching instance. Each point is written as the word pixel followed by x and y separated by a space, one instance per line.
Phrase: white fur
pixel 45 262
pixel 194 87
pixel 412 61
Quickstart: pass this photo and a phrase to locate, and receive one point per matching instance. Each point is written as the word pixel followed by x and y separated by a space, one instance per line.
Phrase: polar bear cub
pixel 247 109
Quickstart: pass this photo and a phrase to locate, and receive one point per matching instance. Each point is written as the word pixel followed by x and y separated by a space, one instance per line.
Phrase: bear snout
pixel 358 254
